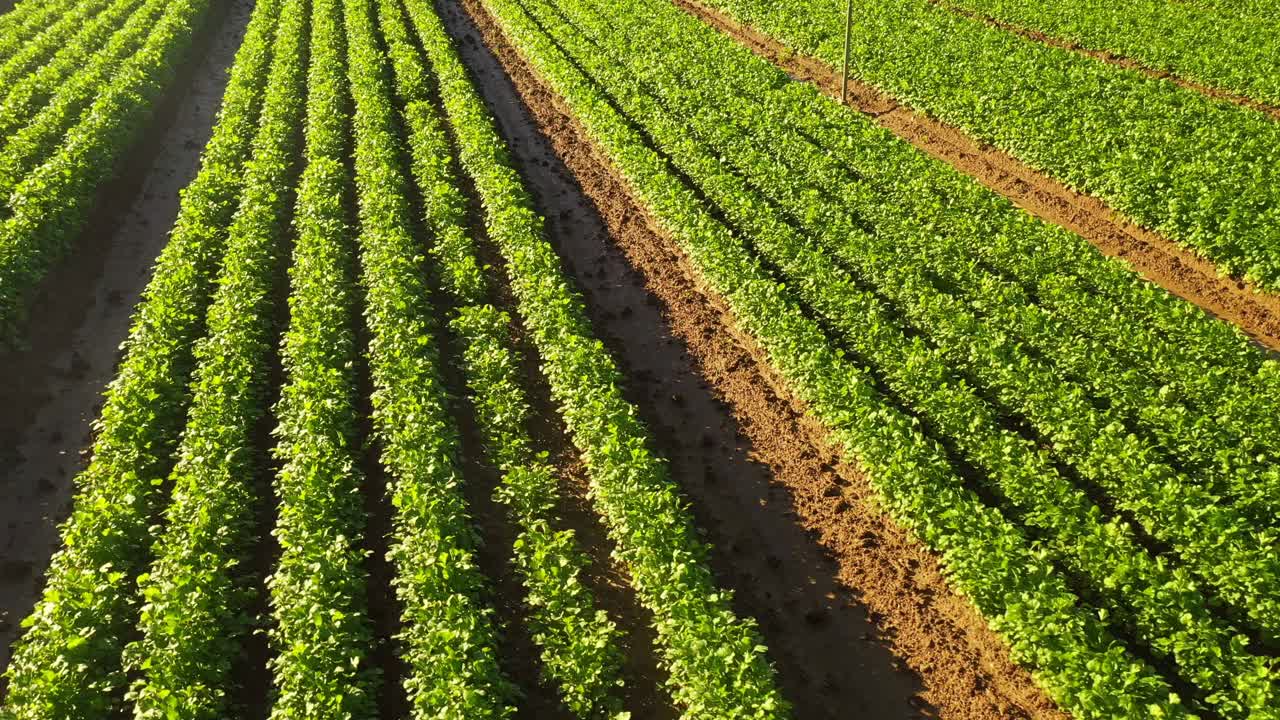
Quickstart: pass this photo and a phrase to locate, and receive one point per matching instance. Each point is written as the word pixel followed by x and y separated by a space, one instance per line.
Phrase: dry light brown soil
pixel 857 615
pixel 1153 256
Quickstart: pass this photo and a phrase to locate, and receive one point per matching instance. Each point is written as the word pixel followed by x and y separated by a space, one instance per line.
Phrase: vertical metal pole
pixel 844 74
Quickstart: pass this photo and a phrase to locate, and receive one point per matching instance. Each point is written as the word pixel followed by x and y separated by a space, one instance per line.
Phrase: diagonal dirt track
pixel 1111 58
pixel 794 529
pixel 1153 256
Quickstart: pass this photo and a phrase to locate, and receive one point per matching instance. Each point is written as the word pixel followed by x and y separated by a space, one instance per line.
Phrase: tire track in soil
pixel 856 613
pixel 1110 58
pixel 51 389
pixel 1153 256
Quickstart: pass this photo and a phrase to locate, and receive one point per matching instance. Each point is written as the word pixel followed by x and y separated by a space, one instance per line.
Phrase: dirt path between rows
pixel 856 614
pixel 1154 257
pixel 1111 58
pixel 51 391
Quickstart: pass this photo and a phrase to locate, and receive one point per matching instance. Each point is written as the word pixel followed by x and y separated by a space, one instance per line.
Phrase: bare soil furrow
pixel 1153 256
pixel 846 598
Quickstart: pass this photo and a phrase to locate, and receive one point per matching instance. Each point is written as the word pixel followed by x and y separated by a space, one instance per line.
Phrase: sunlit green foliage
pixel 195 593
pixel 68 665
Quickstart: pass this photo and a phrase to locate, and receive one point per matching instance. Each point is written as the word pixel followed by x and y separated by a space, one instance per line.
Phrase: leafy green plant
pixel 1204 172
pixel 322 634
pixel 67 664
pixel 579 644
pixel 988 558
pixel 1133 587
pixel 26 20
pixel 194 595
pixel 448 638
pixel 1199 389
pixel 53 40
pixel 26 96
pixel 49 202
pixel 633 492
pixel 32 137
pixel 1243 56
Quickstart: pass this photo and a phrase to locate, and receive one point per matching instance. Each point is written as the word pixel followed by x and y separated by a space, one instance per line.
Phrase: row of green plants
pixel 1020 591
pixel 26 96
pixel 68 663
pixel 1171 391
pixel 940 311
pixel 201 351
pixel 1171 340
pixel 197 591
pixel 716 662
pixel 183 421
pixel 39 49
pixel 817 181
pixel 1201 171
pixel 1200 388
pixel 41 130
pixel 322 637
pixel 579 644
pixel 26 20
pixel 1255 8
pixel 715 105
pixel 1216 540
pixel 50 203
pixel 1167 612
pixel 448 637
pixel 1234 52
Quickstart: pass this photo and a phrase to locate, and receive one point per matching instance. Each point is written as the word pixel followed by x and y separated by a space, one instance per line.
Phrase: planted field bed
pixel 1164 39
pixel 1187 165
pixel 575 358
pixel 80 81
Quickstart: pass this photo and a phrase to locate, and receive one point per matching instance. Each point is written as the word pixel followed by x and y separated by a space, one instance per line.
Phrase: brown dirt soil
pixel 857 615
pixel 1111 58
pixel 51 390
pixel 608 580
pixel 1153 256
pixel 518 655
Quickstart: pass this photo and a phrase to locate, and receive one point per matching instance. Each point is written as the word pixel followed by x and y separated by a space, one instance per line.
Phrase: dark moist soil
pixel 643 692
pixel 51 390
pixel 607 579
pixel 250 670
pixel 856 614
pixel 1111 58
pixel 1154 257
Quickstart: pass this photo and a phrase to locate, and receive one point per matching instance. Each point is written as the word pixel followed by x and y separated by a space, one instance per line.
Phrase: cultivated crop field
pixel 639 359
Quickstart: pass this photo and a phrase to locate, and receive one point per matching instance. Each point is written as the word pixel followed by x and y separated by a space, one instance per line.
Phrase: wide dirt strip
pixel 53 383
pixel 1153 256
pixel 963 667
